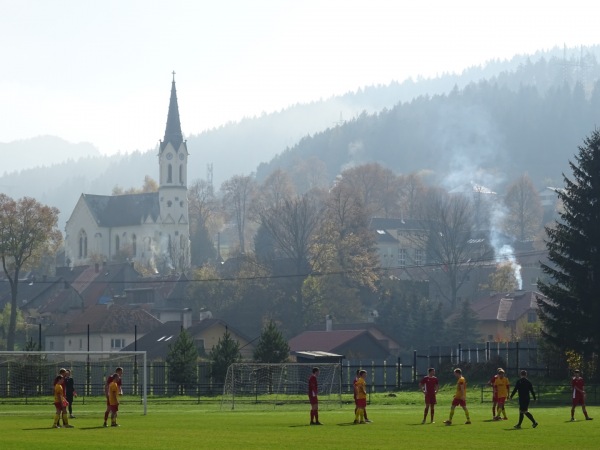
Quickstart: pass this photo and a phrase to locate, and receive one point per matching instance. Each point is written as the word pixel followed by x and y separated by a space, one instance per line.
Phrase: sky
pixel 101 71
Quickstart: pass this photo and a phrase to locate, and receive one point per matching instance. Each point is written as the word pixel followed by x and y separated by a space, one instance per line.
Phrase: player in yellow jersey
pixel 460 397
pixel 502 388
pixel 360 392
pixel 60 403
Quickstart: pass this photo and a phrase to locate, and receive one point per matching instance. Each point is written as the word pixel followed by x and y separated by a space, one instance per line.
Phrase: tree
pixel 462 327
pixel 503 279
pixel 238 193
pixel 224 354
pixel 570 313
pixel 27 231
pixel 182 359
pixel 271 347
pixel 524 216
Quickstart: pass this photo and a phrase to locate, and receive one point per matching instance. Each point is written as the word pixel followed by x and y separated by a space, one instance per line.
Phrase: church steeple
pixel 173 134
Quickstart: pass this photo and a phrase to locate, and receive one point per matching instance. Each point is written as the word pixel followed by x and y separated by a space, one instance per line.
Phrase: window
pixel 80 344
pixel 418 257
pixel 531 317
pixel 117 343
pixel 117 244
pixel 82 244
pixel 180 174
pixel 199 343
pixel 51 345
pixel 402 257
pixel 170 174
pixel 134 244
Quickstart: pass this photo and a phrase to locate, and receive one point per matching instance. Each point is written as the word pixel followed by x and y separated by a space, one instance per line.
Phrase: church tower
pixel 172 190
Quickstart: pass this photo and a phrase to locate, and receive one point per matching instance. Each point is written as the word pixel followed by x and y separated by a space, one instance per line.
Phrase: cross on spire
pixel 173 75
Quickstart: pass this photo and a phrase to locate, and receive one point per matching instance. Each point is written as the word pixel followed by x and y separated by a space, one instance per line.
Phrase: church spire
pixel 173 130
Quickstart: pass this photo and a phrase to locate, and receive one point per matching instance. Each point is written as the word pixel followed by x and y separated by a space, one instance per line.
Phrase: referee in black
pixel 70 391
pixel 524 387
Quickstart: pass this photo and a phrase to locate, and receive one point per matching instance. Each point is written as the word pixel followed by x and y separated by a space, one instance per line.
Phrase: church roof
pixel 173 132
pixel 123 210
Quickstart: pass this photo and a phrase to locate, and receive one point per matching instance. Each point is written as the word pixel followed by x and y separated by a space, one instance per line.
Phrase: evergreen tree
pixel 571 311
pixel 182 361
pixel 271 347
pixel 225 353
pixel 462 328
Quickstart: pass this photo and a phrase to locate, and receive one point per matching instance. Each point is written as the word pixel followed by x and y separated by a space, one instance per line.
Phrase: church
pixel 151 229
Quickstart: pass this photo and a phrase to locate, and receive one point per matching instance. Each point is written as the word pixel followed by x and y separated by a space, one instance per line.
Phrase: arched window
pixel 170 174
pixel 82 244
pixel 134 244
pixel 181 174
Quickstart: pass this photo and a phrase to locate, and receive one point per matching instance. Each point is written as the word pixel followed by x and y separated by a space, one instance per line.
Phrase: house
pixel 205 333
pixel 353 344
pixel 148 228
pixel 507 316
pixel 399 242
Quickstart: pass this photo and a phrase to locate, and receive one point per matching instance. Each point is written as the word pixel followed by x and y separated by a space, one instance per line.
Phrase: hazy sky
pixel 100 71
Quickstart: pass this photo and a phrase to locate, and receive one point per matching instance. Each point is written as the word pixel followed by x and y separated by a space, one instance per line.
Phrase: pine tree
pixel 271 347
pixel 462 328
pixel 571 312
pixel 225 353
pixel 182 361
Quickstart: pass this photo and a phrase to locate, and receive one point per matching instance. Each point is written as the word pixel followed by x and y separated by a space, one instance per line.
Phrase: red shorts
pixel 578 400
pixel 113 408
pixel 459 402
pixel 361 403
pixel 430 399
pixel 501 401
pixel 58 406
pixel 495 398
pixel 314 400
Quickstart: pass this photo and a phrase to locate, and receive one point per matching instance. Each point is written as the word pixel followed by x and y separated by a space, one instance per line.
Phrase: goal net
pixel 28 377
pixel 256 385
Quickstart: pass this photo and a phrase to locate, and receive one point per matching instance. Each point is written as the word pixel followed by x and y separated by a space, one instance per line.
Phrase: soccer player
pixel 60 404
pixel 429 385
pixel 523 386
pixel 70 392
pixel 114 391
pixel 502 386
pixel 494 393
pixel 109 380
pixel 360 392
pixel 354 390
pixel 62 372
pixel 313 392
pixel 460 397
pixel 577 384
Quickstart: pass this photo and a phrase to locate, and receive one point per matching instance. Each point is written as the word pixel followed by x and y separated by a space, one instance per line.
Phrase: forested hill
pixel 530 121
pixel 505 118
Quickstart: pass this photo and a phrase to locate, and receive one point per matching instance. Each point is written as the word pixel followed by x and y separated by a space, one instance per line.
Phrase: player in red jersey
pixel 429 385
pixel 494 392
pixel 577 385
pixel 109 380
pixel 313 392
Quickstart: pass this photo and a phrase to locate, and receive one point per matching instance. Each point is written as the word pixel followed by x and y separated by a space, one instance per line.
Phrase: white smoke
pixel 504 253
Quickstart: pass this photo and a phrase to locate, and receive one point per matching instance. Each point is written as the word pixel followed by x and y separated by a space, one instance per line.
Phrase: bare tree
pixel 27 232
pixel 525 213
pixel 238 192
pixel 450 242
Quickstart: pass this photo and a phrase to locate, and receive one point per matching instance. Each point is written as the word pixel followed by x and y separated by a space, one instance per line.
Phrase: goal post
pixel 26 376
pixel 258 385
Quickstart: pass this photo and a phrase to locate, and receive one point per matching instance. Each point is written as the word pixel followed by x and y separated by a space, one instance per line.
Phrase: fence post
pixel 414 377
pixel 459 354
pixel 487 351
pixel 517 357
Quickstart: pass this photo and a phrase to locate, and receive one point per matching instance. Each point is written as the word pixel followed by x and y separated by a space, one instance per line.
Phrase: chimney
pixel 328 322
pixel 186 317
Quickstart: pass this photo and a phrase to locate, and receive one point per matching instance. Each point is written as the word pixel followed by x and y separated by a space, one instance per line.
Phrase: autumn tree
pixel 150 185
pixel 570 313
pixel 28 230
pixel 271 347
pixel 205 221
pixel 503 279
pixel 524 209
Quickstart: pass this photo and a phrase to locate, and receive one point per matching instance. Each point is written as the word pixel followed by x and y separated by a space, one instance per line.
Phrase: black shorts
pixel 523 405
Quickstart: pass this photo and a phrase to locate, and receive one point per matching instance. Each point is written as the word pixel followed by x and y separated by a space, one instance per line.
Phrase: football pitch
pixel 396 424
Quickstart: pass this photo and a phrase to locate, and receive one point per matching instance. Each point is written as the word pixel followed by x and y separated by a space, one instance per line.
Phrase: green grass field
pixel 396 424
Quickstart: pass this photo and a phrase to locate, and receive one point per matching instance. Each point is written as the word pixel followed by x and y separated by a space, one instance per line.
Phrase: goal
pixel 252 385
pixel 27 377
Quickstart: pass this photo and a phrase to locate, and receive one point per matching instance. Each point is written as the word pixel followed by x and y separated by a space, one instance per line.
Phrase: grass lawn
pixel 396 424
